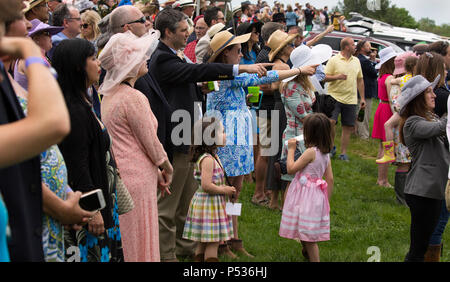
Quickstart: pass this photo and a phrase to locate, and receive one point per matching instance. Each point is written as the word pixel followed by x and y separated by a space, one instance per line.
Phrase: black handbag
pixel 324 104
pixel 283 161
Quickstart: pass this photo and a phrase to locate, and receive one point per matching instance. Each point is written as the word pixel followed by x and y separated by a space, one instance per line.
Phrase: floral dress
pixel 229 106
pixel 402 154
pixel 54 175
pixel 106 247
pixel 297 104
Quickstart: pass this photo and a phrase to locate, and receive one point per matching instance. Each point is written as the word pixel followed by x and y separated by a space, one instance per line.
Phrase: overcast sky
pixel 434 9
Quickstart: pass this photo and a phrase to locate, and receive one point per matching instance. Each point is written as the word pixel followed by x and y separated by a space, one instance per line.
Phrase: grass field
pixel 362 215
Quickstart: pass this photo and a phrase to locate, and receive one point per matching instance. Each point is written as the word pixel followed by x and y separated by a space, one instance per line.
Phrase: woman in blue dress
pixel 229 105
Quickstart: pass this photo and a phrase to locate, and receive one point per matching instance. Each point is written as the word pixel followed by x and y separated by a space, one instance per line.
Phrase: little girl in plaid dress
pixel 207 221
pixel 306 210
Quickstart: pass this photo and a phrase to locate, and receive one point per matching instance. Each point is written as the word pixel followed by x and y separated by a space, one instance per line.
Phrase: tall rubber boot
pixel 389 155
pixel 399 186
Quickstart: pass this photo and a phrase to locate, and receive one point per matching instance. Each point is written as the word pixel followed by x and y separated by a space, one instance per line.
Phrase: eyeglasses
pixel 85 26
pixel 221 19
pixel 74 19
pixel 141 20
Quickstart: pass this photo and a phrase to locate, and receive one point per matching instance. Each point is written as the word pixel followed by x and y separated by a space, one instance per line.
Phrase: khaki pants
pixel 173 209
pixel 362 128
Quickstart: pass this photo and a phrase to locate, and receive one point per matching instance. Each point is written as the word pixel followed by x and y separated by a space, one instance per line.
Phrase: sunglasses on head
pixel 141 20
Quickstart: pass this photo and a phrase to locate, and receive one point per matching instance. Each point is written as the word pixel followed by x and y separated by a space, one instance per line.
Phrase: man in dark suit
pixel 363 50
pixel 177 80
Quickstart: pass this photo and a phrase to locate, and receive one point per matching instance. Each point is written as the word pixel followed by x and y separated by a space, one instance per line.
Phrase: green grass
pixel 362 215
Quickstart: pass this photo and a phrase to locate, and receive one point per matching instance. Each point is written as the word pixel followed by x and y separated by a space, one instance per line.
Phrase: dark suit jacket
pixel 177 80
pixel 370 77
pixel 20 186
pixel 160 108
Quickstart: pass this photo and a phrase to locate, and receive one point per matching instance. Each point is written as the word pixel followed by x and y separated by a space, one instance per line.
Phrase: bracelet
pixel 35 60
pixel 299 70
pixel 39 60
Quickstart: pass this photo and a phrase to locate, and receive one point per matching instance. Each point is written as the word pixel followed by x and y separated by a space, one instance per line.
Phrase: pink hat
pixel 400 62
pixel 123 57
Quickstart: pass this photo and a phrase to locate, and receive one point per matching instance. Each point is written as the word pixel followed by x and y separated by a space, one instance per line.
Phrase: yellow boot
pixel 389 156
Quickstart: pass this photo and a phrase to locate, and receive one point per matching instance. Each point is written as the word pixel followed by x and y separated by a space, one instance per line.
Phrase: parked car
pixel 334 38
pixel 405 38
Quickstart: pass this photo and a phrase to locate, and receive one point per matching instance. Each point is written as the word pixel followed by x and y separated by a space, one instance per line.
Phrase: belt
pixel 384 102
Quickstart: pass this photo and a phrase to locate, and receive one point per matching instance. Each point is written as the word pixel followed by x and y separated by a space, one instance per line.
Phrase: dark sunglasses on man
pixel 141 20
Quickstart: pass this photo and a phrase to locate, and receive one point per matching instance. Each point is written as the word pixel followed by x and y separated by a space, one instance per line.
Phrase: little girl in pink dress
pixel 306 211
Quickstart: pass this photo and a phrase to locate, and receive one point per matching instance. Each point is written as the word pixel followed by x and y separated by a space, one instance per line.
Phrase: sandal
pixel 263 203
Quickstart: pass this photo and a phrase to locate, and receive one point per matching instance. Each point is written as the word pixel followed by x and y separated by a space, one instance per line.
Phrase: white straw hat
pixel 385 55
pixel 305 56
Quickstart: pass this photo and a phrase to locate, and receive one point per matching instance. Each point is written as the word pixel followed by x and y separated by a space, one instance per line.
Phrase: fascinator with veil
pixel 123 56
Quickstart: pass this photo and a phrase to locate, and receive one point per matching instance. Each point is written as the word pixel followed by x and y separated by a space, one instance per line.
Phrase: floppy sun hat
pixel 38 26
pixel 123 56
pixel 277 41
pixel 413 88
pixel 305 56
pixel 224 39
pixel 385 55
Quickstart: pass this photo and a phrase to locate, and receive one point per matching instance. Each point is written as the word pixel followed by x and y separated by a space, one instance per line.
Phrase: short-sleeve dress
pixel 207 220
pixel 306 211
pixel 229 105
pixel 297 104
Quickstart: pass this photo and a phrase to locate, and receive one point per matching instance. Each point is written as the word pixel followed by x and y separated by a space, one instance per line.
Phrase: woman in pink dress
pixel 386 69
pixel 127 115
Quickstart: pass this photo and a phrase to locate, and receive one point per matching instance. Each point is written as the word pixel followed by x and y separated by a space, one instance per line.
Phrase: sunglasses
pixel 141 20
pixel 85 26
pixel 148 18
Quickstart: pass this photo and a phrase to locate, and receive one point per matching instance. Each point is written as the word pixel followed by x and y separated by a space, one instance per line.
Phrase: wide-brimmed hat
pixel 224 39
pixel 123 56
pixel 183 3
pixel 305 56
pixel 400 62
pixel 385 55
pixel 413 88
pixel 215 29
pixel 38 26
pixel 236 9
pixel 30 4
pixel 83 5
pixel 247 27
pixel 277 41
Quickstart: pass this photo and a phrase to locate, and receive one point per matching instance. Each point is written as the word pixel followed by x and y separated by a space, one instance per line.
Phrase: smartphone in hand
pixel 93 200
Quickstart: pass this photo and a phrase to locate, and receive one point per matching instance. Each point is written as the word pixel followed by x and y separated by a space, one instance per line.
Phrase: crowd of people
pixel 168 112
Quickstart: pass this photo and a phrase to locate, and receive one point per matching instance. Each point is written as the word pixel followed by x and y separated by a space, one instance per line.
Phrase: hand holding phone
pixel 93 200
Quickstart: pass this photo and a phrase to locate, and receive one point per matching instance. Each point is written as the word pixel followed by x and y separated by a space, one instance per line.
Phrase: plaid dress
pixel 207 220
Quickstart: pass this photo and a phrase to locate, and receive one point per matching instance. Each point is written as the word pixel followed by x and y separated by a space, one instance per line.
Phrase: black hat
pixel 247 27
pixel 278 18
